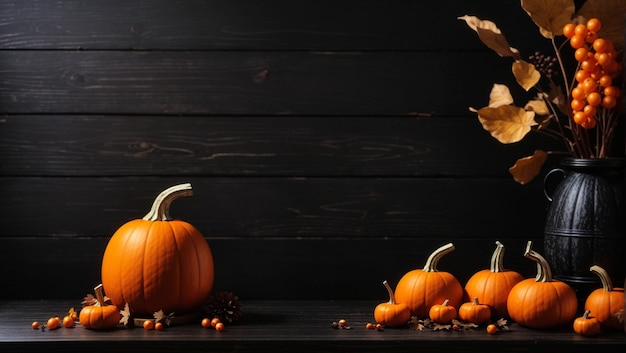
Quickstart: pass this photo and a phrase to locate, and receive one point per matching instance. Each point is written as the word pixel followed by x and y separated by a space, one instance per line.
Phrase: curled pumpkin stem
pixel 433 259
pixel 392 297
pixel 544 273
pixel 160 210
pixel 497 259
pixel 607 284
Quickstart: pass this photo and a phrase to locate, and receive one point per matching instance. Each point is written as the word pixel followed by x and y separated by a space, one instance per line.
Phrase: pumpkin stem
pixel 392 298
pixel 586 314
pixel 475 301
pixel 433 259
pixel 607 284
pixel 445 302
pixel 160 210
pixel 497 259
pixel 544 273
pixel 99 289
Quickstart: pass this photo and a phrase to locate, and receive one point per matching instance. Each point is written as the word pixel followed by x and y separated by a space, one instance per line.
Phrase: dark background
pixel 329 143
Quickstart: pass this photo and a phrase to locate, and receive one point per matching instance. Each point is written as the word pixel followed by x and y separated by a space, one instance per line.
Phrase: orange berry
pixel 158 326
pixel 605 60
pixel 369 326
pixel 68 322
pixel 206 322
pixel 594 25
pixel 578 93
pixel 594 99
pixel 53 323
pixel 605 81
pixel 219 326
pixel 581 75
pixel 601 45
pixel 611 91
pixel 591 37
pixel 589 85
pixel 609 102
pixel 577 104
pixel 569 30
pixel 35 325
pixel 577 41
pixel 589 110
pixel 492 329
pixel 581 54
pixel 590 123
pixel 580 117
pixel 148 325
pixel 580 30
pixel 215 321
pixel 343 323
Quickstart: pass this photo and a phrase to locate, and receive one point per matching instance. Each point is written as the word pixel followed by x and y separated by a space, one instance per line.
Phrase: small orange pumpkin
pixel 391 314
pixel 157 263
pixel 492 286
pixel 606 302
pixel 475 312
pixel 99 316
pixel 542 302
pixel 421 289
pixel 587 325
pixel 442 313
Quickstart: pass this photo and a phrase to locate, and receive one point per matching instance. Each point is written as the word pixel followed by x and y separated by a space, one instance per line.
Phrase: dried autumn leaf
pixel 525 74
pixel 125 316
pixel 611 13
pixel 527 168
pixel 507 123
pixel 491 36
pixel 538 106
pixel 160 316
pixel 500 95
pixel 550 15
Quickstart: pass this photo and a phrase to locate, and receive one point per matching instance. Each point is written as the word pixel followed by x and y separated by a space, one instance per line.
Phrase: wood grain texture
pixel 285 326
pixel 100 145
pixel 252 25
pixel 243 82
pixel 278 207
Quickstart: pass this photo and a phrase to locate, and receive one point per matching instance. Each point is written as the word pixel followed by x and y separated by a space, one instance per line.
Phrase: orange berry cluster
pixel 596 71
pixel 215 323
pixel 56 322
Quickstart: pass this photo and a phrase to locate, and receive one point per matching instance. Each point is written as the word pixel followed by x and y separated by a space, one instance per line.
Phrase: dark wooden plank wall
pixel 329 142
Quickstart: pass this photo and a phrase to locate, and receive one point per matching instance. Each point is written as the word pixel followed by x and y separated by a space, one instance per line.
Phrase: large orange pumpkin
pixel 607 302
pixel 542 302
pixel 157 263
pixel 492 286
pixel 421 289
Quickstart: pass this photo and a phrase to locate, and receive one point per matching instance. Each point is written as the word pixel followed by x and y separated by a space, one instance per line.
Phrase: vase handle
pixel 548 194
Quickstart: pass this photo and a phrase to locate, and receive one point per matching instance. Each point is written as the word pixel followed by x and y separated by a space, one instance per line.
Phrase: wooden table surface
pixel 289 326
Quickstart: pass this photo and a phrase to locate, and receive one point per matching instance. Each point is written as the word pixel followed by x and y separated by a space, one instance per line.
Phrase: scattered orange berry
pixel 370 326
pixel 35 325
pixel 53 323
pixel 343 323
pixel 492 329
pixel 148 325
pixel 219 326
pixel 158 326
pixel 215 321
pixel 379 327
pixel 68 322
pixel 206 322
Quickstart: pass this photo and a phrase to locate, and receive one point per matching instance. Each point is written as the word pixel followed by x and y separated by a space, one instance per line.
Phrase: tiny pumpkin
pixel 475 312
pixel 587 325
pixel 158 263
pixel 391 314
pixel 606 302
pixel 420 289
pixel 99 316
pixel 442 313
pixel 492 286
pixel 541 302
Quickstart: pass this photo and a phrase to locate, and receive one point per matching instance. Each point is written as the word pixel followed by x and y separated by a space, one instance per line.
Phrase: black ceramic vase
pixel 585 222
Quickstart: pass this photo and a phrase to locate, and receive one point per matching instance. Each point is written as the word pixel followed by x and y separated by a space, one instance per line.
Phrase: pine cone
pixel 225 306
